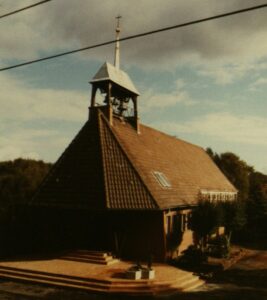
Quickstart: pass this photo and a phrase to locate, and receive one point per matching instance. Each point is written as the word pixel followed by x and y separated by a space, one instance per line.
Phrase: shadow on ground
pixel 243 278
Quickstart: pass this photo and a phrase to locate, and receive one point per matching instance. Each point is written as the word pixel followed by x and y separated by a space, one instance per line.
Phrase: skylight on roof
pixel 162 179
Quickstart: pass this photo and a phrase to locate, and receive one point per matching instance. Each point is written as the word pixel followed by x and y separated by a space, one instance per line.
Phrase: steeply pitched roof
pixel 112 167
pixel 187 167
pixel 124 187
pixel 76 179
pixel 94 173
pixel 109 72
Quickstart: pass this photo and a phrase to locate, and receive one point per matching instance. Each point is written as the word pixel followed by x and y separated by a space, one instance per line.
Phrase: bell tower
pixel 117 89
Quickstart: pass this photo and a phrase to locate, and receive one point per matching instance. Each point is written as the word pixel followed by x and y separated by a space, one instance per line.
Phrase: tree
pixel 252 194
pixel 206 217
pixel 18 181
pixel 257 202
pixel 234 217
pixel 237 171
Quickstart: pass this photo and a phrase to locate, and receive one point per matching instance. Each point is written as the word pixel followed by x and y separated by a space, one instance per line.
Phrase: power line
pixel 24 8
pixel 235 12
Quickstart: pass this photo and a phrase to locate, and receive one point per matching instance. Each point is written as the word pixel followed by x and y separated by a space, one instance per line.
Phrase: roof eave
pixel 134 92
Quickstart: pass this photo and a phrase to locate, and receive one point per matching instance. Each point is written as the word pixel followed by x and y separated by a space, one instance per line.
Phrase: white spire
pixel 117 45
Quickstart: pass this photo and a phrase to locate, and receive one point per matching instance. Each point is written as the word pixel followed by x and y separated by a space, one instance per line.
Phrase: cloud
pixel 222 126
pixel 39 143
pixel 259 82
pixel 19 146
pixel 264 170
pixel 164 100
pixel 26 114
pixel 226 73
pixel 21 102
pixel 67 24
pixel 12 152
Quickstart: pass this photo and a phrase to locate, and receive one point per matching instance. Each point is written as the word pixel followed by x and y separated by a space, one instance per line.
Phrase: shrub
pixel 218 247
pixel 192 256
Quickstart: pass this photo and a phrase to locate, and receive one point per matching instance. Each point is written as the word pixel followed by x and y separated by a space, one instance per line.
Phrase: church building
pixel 124 187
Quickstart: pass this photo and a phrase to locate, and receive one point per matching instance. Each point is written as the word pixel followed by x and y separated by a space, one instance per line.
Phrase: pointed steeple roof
pixel 108 72
pixel 113 73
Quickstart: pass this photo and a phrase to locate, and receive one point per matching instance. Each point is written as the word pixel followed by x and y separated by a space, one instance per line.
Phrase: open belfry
pixel 121 186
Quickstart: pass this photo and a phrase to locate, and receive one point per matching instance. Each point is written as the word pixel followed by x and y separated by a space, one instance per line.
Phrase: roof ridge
pixel 135 169
pixel 102 155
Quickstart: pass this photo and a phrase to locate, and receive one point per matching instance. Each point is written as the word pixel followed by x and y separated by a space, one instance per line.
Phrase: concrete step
pixel 89 254
pixel 51 282
pixel 189 284
pixel 182 278
pixel 85 258
pixel 54 275
pixel 194 286
pixel 95 287
pixel 108 261
pixel 93 257
pixel 28 274
pixel 185 282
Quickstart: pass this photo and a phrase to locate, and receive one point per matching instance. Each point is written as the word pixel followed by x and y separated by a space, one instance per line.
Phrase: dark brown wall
pixel 130 235
pixel 138 235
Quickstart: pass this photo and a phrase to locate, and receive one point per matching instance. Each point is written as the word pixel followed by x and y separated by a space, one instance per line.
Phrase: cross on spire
pixel 118 22
pixel 117 45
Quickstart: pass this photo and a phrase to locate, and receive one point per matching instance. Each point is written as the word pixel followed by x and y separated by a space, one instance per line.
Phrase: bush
pixel 218 247
pixel 192 256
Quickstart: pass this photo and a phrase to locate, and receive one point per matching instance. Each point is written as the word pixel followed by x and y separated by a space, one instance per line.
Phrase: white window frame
pixel 162 179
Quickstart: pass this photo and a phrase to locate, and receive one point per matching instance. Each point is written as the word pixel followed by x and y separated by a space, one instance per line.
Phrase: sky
pixel 206 83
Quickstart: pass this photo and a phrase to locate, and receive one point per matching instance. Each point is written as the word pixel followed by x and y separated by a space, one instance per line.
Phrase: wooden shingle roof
pixel 113 167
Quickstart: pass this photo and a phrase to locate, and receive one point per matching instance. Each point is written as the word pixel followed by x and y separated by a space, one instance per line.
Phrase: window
pixel 217 195
pixel 161 178
pixel 169 224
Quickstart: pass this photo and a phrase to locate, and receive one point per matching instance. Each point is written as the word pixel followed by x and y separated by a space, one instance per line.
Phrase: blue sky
pixel 206 83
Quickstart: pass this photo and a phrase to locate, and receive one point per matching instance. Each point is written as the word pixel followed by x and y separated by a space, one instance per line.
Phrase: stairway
pixel 184 282
pixel 93 257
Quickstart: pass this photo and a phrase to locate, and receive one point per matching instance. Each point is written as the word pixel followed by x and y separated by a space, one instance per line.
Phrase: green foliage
pixel 234 215
pixel 257 202
pixel 206 217
pixel 251 207
pixel 219 247
pixel 192 256
pixel 19 180
pixel 235 169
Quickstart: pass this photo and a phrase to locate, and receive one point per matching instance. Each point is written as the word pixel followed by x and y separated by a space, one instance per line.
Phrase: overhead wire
pixel 235 12
pixel 23 8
